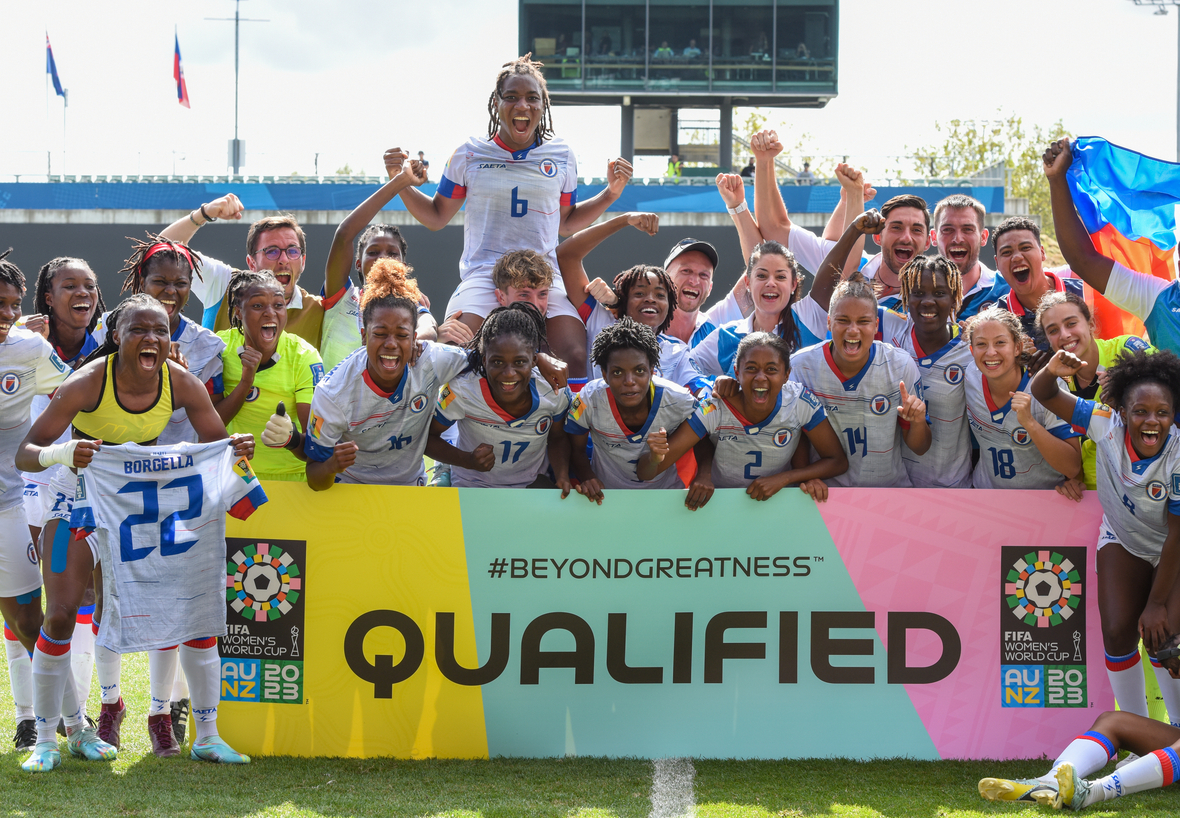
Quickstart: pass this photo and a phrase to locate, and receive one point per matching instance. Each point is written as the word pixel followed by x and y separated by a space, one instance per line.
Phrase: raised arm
pixel 733 192
pixel 1047 390
pixel 572 252
pixel 1079 251
pixel 854 192
pixel 580 216
pixel 831 271
pixel 432 213
pixel 770 211
pixel 183 229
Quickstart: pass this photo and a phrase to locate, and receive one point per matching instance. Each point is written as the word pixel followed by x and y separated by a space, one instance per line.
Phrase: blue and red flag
pixel 1127 202
pixel 178 75
pixel 51 67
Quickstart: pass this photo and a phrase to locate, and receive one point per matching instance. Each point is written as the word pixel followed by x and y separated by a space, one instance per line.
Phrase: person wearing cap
pixel 691 263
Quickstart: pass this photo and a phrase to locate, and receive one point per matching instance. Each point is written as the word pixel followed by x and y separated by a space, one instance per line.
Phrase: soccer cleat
pixel 179 719
pixel 442 476
pixel 212 748
pixel 110 718
pixel 61 726
pixel 84 742
pixel 163 741
pixel 44 758
pixel 1072 791
pixel 1017 789
pixel 26 735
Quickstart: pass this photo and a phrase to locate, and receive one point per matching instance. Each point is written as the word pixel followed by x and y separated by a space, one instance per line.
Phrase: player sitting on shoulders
pixel 618 411
pixel 511 421
pixel 767 413
pixel 518 275
pixel 1022 445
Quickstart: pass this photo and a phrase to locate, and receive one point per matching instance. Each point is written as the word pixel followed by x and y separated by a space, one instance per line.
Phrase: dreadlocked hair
pixel 522 66
pixel 136 266
pixel 240 283
pixel 625 334
pixel 785 326
pixel 1012 324
pixel 626 281
pixel 374 230
pixel 763 339
pixel 10 273
pixel 45 284
pixel 855 286
pixel 519 318
pixel 1133 368
pixel 911 278
pixel 109 346
pixel 389 285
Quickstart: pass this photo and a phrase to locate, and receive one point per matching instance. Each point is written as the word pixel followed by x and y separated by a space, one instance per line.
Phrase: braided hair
pixel 109 345
pixel 1162 367
pixel 10 273
pixel 626 281
pixel 239 284
pixel 911 277
pixel 45 284
pixel 625 334
pixel 389 285
pixel 142 252
pixel 519 318
pixel 522 66
pixel 374 230
pixel 786 327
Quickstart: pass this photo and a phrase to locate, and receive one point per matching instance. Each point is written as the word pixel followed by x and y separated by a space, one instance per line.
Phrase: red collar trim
pixel 504 144
pixel 369 382
pixel 1014 305
pixel 1130 449
pixel 917 347
pixel 491 402
pixel 614 410
pixel 741 418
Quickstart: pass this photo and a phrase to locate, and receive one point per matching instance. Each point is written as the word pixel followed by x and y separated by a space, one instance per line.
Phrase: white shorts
pixel 476 295
pixel 20 572
pixel 60 502
pixel 35 491
pixel 1106 536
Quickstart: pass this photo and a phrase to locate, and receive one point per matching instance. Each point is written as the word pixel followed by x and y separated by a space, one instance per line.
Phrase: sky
pixel 348 79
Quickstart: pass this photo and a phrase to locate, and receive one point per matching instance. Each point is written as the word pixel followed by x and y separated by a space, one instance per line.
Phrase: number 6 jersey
pixel 158 514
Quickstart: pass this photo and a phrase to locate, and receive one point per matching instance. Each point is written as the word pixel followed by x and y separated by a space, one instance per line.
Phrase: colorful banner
pixel 475 622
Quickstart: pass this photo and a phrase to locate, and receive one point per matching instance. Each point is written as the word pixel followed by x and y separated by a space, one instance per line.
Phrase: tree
pixel 971 146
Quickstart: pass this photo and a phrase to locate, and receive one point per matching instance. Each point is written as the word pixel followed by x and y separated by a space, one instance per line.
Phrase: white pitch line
pixel 671 788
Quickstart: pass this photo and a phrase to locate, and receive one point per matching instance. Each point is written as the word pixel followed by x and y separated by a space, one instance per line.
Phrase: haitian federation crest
pixel 9 383
pixel 782 437
pixel 953 374
pixel 879 404
pixel 1021 437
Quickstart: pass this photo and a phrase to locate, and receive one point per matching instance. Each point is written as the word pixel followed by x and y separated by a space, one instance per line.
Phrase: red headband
pixel 175 248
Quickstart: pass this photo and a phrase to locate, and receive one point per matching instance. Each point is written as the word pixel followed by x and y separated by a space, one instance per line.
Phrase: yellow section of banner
pixel 397 549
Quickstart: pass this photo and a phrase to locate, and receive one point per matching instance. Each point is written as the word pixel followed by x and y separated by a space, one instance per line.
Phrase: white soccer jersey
pixel 1137 495
pixel 617 448
pixel 723 312
pixel 947 463
pixel 714 356
pixel 675 355
pixel 1008 458
pixel 863 410
pixel 745 451
pixel 28 367
pixel 513 199
pixel 520 444
pixel 809 249
pixel 157 517
pixel 390 429
pixel 343 322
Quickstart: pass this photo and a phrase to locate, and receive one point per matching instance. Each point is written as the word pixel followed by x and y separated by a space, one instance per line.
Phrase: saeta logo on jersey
pixel 782 437
pixel 953 374
pixel 548 167
pixel 543 425
pixel 418 403
pixel 879 404
pixel 9 383
pixel 1157 490
pixel 1021 437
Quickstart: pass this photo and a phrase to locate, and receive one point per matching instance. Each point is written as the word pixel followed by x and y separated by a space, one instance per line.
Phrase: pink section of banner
pixel 939 551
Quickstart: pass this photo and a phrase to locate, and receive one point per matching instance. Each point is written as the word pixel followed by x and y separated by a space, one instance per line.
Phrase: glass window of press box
pixel 670 46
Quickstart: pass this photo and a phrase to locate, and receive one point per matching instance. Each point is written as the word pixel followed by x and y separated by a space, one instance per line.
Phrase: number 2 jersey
pixel 520 445
pixel 1137 494
pixel 157 516
pixel 863 409
pixel 617 447
pixel 745 451
pixel 390 429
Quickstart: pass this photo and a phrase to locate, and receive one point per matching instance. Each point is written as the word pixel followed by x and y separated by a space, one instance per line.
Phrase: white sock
pixel 1149 772
pixel 1088 753
pixel 110 668
pixel 180 686
pixel 51 680
pixel 1170 690
pixel 1126 680
pixel 202 666
pixel 20 675
pixel 162 673
pixel 82 654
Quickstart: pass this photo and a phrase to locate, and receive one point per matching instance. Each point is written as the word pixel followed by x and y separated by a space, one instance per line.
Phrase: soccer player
pixel 618 411
pixel 518 275
pixel 756 432
pixel 511 422
pixel 1138 476
pixel 1152 300
pixel 342 299
pixel 30 367
pixel 520 184
pixel 1021 444
pixel 959 234
pixel 370 416
pixel 127 393
pixel 264 366
pixel 862 384
pixel 1064 321
pixel 1021 259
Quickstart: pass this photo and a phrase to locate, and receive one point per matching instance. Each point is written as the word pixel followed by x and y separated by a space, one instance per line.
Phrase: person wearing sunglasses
pixel 275 243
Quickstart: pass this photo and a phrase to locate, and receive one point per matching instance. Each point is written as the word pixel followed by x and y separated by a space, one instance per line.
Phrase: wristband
pixel 296 441
pixel 191 219
pixel 206 216
pixel 733 211
pixel 58 453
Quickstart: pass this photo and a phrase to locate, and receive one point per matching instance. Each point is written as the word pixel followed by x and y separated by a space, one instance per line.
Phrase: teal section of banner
pixel 605 659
